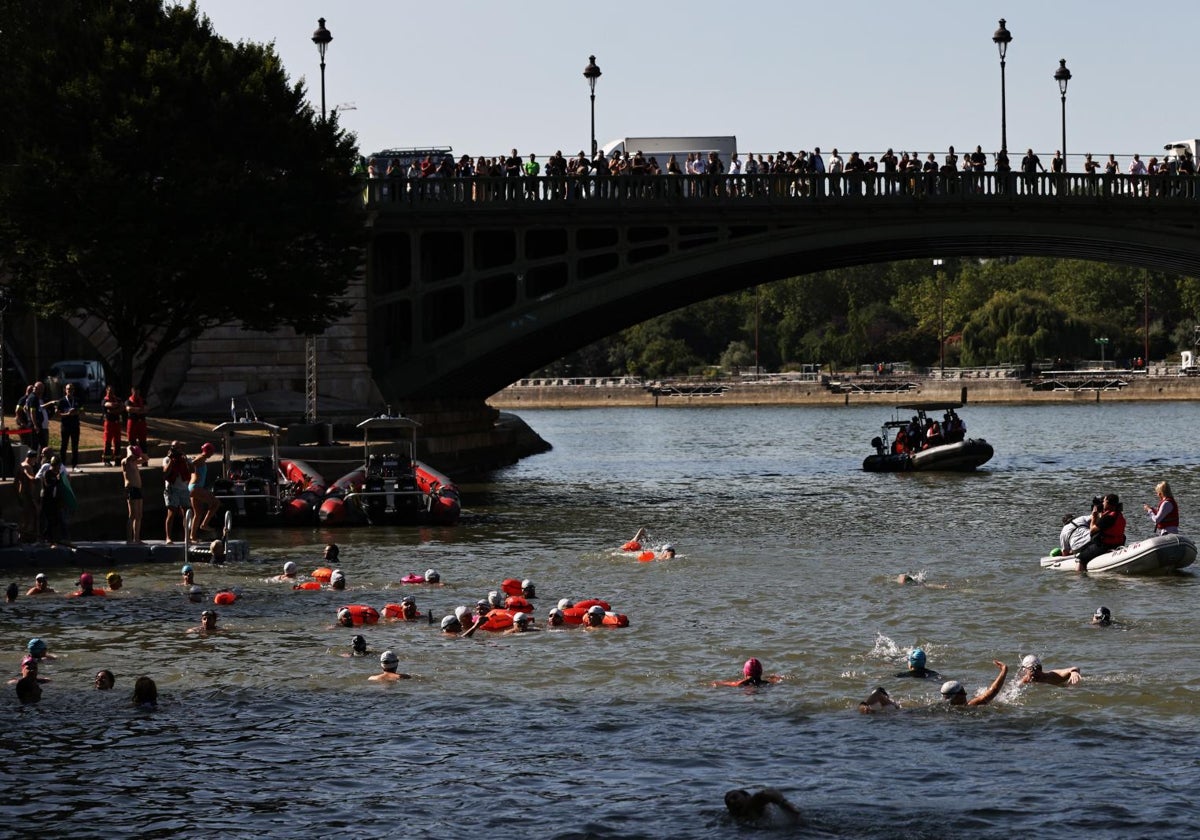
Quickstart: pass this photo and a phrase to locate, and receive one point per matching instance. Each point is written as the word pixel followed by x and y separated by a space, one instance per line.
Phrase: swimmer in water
pixel 337 580
pixel 358 646
pixel 877 701
pixel 40 586
pixel 919 580
pixel 1032 672
pixel 145 693
pixel 1102 617
pixel 916 667
pixel 954 693
pixel 188 575
pixel 289 573
pixel 115 581
pixel 208 623
pixel 522 623
pixel 635 544
pixel 105 680
pixel 389 662
pixel 752 674
pixel 768 805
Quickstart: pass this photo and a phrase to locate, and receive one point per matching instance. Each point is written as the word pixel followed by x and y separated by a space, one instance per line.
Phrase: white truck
pixel 663 147
pixel 1181 147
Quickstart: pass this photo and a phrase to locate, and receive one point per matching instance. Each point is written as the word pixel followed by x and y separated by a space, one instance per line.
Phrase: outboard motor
pixel 256 501
pixel 374 505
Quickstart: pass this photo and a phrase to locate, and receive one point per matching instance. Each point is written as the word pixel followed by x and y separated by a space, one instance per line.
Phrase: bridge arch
pixel 468 296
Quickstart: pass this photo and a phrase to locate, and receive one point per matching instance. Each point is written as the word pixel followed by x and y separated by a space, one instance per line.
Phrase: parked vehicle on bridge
pixel 1181 147
pixel 85 374
pixel 663 147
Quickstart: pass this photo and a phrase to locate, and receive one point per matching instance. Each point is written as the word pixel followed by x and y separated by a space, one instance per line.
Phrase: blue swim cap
pixel 36 647
pixel 185 570
pixel 916 659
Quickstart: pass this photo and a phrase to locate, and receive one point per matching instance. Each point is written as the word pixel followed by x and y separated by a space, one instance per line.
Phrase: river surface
pixel 787 552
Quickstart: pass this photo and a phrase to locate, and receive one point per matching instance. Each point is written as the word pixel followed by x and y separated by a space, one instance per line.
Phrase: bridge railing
pixel 384 193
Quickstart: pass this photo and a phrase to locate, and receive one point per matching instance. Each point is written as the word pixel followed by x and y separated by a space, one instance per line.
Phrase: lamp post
pixel 1102 342
pixel 1062 75
pixel 592 73
pixel 937 264
pixel 321 37
pixel 1002 38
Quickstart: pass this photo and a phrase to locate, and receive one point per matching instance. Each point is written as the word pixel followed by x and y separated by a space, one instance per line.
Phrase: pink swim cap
pixel 752 668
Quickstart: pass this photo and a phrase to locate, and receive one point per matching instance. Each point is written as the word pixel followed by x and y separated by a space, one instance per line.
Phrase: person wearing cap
pixel 1164 515
pixel 1033 672
pixel 216 550
pixel 953 692
pixel 635 544
pixel 176 498
pixel 556 618
pixel 289 573
pixel 41 586
pixel 528 590
pixel 195 594
pixel 131 473
pixel 389 662
pixel 188 574
pixel 877 701
pixel 204 503
pixel 337 580
pixel 105 681
pixel 453 625
pixel 916 667
pixel 86 585
pixel 522 623
pixel 594 617
pixel 1102 617
pixel 114 580
pixel 766 806
pixel 408 608
pixel 432 577
pixel 1107 528
pixel 752 672
pixel 667 552
pixel 39 650
pixel 358 646
pixel 208 623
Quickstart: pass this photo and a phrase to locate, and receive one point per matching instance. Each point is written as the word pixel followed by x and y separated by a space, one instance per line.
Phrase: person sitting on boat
pixel 1165 515
pixel 933 434
pixel 1033 672
pixel 954 430
pixel 916 667
pixel 916 434
pixel 1074 535
pixel 1107 527
pixel 954 693
pixel 900 444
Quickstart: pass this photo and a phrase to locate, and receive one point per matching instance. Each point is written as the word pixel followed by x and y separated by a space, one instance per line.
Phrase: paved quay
pixel 96 555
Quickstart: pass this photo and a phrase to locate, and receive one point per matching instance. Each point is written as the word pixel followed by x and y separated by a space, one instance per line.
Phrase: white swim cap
pixel 337 574
pixel 521 619
pixel 1031 662
pixel 289 568
pixel 494 599
pixel 595 609
pixel 460 613
pixel 668 547
pixel 952 687
pixel 388 659
pixel 450 622
pixel 565 604
pixel 431 576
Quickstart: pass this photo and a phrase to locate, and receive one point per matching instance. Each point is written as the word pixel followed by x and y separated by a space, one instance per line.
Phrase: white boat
pixel 1154 555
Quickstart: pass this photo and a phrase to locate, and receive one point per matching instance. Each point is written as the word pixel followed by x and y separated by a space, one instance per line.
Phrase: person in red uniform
pixel 1108 529
pixel 135 426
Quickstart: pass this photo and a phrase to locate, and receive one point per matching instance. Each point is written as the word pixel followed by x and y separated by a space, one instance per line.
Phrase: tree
pixel 1021 327
pixel 165 181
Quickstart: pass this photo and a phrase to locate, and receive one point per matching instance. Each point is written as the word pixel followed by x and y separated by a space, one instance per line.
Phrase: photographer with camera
pixel 1107 527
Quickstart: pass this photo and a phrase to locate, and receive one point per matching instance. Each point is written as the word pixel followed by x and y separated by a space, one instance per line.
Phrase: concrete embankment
pixel 860 391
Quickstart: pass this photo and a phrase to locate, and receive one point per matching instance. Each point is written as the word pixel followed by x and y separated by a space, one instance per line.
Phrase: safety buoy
pixel 396 613
pixel 225 596
pixel 516 603
pixel 358 614
pixel 592 602
pixel 322 574
pixel 511 586
pixel 308 584
pixel 645 557
pixel 574 615
pixel 612 619
pixel 497 620
pixel 632 545
pixel 411 578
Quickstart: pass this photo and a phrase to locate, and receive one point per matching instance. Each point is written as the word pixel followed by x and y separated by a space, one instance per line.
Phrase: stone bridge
pixel 474 283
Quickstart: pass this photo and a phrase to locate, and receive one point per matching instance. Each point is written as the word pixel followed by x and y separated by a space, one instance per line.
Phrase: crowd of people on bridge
pixel 785 173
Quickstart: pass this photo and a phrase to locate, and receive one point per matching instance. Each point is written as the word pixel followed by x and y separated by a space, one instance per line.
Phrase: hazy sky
pixel 484 77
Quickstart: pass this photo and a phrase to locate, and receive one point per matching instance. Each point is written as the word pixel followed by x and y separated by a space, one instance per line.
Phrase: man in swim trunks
pixel 133 491
pixel 204 503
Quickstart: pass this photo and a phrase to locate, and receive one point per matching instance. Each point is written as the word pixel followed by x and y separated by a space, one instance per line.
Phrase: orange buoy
pixel 322 574
pixel 225 596
pixel 497 620
pixel 308 584
pixel 645 556
pixel 516 603
pixel 357 615
pixel 511 586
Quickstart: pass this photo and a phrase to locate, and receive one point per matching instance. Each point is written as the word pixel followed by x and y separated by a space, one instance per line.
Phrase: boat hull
pixel 431 499
pixel 1155 555
pixel 963 456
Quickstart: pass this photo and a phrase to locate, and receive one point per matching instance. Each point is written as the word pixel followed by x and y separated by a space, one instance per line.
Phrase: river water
pixel 787 552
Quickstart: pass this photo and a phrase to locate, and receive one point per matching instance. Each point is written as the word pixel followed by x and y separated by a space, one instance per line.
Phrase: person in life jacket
pixel 1164 515
pixel 1107 527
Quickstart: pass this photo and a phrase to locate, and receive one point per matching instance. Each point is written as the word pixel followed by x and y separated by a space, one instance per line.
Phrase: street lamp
pixel 937 264
pixel 321 37
pixel 1102 342
pixel 1002 38
pixel 592 73
pixel 1062 75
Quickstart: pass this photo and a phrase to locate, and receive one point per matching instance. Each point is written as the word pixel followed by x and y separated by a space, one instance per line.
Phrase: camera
pixel 1097 501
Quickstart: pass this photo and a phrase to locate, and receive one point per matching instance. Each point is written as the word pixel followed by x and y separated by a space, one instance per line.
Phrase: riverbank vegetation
pixel 1007 311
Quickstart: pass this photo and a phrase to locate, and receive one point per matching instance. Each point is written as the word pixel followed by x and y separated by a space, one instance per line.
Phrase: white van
pixel 86 375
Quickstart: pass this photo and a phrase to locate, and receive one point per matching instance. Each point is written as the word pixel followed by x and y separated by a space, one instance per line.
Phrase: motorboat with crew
pixel 391 486
pixel 923 442
pixel 1159 554
pixel 256 486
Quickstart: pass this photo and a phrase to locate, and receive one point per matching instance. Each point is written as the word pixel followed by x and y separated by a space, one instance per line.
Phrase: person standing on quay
pixel 135 426
pixel 131 471
pixel 68 422
pixel 113 409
